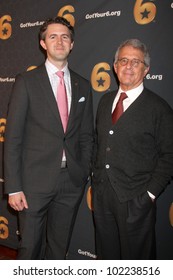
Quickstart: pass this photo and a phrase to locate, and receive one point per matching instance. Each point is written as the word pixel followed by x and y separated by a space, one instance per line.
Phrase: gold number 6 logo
pixel 5 27
pixel 100 79
pixel 144 13
pixel 3 228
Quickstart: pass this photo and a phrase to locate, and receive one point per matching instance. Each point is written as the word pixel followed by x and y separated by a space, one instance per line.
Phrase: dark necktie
pixel 62 100
pixel 119 108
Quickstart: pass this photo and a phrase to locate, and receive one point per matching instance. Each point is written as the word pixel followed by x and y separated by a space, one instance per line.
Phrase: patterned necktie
pixel 62 100
pixel 119 108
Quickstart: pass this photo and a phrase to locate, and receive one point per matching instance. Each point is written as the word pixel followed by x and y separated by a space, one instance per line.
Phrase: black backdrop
pixel 100 27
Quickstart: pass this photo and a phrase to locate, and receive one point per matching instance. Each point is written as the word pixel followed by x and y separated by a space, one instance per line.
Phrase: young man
pixel 134 159
pixel 47 165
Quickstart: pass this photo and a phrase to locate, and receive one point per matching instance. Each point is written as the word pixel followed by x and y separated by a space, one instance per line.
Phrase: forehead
pixel 57 28
pixel 129 51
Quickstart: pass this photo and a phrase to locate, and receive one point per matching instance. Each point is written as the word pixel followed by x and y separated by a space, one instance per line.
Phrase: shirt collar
pixel 52 69
pixel 133 93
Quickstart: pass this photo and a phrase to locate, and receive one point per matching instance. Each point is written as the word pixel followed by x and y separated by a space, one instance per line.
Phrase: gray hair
pixel 135 43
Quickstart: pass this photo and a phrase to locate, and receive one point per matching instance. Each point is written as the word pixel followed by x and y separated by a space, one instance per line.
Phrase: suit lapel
pixel 48 93
pixel 74 97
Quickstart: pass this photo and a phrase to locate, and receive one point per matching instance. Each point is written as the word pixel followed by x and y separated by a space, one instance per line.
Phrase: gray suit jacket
pixel 34 136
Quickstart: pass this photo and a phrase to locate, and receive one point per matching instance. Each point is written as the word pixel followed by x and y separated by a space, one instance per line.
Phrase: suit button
pixel 111 132
pixel 107 166
pixel 108 149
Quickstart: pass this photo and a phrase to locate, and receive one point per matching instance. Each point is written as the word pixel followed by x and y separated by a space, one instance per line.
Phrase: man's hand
pixel 18 201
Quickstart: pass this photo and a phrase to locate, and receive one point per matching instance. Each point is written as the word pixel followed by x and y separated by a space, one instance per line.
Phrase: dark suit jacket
pixel 137 152
pixel 34 136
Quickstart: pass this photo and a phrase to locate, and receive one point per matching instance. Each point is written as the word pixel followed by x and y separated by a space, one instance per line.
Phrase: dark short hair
pixel 60 20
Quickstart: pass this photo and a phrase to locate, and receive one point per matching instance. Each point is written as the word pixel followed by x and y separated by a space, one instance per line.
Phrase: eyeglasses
pixel 134 62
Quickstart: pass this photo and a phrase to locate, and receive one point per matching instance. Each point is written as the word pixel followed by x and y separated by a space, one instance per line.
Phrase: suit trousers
pixel 124 230
pixel 46 226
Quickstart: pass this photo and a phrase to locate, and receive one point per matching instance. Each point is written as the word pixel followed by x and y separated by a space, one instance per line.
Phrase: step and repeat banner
pixel 100 26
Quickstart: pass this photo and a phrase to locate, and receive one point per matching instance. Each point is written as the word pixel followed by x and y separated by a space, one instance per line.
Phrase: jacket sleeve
pixel 14 135
pixel 163 171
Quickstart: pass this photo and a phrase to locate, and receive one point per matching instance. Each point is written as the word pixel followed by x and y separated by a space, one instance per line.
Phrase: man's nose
pixel 59 41
pixel 129 64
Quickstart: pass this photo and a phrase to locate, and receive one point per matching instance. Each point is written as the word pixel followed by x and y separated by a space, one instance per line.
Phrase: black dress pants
pixel 123 230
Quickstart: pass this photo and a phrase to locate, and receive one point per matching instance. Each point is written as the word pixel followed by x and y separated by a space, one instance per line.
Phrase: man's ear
pixel 115 67
pixel 72 44
pixel 146 70
pixel 42 43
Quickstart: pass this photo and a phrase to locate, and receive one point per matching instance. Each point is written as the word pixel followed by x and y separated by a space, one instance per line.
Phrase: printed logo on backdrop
pixel 66 12
pixel 100 78
pixel 150 76
pixel 87 254
pixel 144 12
pixel 5 27
pixel 12 80
pixel 2 132
pixel 171 214
pixel 7 80
pixel 31 68
pixel 89 198
pixel 101 81
pixel 2 129
pixel 4 232
pixel 97 15
pixel 31 24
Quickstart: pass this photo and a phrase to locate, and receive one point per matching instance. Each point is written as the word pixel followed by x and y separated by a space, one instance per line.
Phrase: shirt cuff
pixel 14 193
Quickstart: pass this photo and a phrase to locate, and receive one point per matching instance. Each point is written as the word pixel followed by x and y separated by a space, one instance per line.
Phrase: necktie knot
pixel 60 74
pixel 122 97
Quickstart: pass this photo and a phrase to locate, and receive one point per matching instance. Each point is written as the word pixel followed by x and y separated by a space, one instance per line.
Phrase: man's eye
pixel 65 37
pixel 135 62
